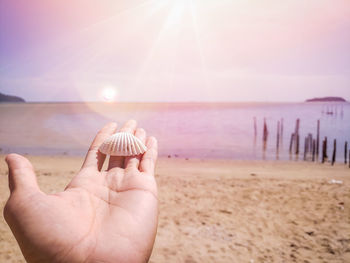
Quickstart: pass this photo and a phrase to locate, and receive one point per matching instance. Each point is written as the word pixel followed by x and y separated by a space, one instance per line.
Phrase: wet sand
pixel 229 211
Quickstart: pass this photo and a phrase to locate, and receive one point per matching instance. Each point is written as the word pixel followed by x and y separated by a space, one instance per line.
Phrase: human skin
pixel 101 216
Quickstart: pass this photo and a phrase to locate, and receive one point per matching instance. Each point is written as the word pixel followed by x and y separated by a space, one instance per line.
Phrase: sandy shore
pixel 229 211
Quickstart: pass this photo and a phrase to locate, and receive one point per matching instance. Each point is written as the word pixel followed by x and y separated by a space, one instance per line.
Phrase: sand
pixel 229 211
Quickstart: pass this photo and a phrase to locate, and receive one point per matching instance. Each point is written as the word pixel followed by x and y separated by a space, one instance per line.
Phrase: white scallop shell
pixel 123 144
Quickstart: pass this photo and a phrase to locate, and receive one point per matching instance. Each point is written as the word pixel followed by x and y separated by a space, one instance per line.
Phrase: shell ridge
pixel 142 146
pixel 136 148
pixel 113 145
pixel 125 148
pixel 132 146
pixel 129 151
pixel 117 143
pixel 122 144
pixel 139 149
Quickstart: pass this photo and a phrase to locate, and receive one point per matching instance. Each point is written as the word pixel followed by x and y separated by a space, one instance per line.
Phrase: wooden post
pixel 310 143
pixel 265 135
pixel 318 139
pixel 282 128
pixel 326 148
pixel 313 149
pixel 255 128
pixel 278 135
pixel 297 124
pixel 322 158
pixel 305 147
pixel 345 152
pixel 297 145
pixel 265 131
pixel 334 151
pixel 296 136
pixel 291 143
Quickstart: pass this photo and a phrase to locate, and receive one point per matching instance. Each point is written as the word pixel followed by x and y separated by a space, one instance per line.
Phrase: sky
pixel 175 50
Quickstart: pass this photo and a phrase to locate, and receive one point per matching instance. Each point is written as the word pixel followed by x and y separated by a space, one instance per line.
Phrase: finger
pixel 118 161
pixel 132 162
pixel 148 161
pixel 94 158
pixel 21 174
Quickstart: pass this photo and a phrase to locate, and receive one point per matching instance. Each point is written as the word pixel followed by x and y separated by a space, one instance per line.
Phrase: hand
pixel 101 216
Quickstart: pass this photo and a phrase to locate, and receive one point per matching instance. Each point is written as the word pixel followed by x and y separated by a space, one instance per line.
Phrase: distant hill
pixel 327 99
pixel 9 98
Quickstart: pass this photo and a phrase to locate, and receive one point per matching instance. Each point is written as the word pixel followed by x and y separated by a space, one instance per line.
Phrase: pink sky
pixel 176 50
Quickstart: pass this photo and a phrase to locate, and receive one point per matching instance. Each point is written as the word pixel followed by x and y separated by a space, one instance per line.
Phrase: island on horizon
pixel 327 99
pixel 10 98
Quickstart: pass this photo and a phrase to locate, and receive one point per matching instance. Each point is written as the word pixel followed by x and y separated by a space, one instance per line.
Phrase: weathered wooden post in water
pixel 265 131
pixel 308 146
pixel 291 144
pixel 297 145
pixel 282 131
pixel 265 135
pixel 297 125
pixel 255 128
pixel 318 139
pixel 334 151
pixel 296 136
pixel 310 143
pixel 345 152
pixel 305 148
pixel 322 159
pixel 313 149
pixel 324 150
pixel 278 138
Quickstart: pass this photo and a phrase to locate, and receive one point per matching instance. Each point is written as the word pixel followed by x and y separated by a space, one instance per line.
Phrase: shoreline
pixel 300 160
pixel 233 168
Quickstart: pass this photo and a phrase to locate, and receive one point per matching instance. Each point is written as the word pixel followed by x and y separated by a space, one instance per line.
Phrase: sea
pixel 184 130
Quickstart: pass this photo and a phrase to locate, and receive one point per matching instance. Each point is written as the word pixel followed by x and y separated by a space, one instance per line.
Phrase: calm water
pixel 191 130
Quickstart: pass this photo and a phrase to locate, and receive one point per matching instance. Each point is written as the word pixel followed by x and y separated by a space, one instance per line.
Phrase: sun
pixel 109 94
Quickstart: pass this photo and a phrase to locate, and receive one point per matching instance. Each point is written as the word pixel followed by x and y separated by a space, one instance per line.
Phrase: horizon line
pixel 168 102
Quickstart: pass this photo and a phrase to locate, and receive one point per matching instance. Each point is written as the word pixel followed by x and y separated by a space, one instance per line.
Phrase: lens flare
pixel 109 94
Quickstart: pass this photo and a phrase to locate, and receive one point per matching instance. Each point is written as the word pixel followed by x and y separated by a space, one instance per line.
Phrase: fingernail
pixel 8 157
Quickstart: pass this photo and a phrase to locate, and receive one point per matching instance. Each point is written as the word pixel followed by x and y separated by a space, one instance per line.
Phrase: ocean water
pixel 183 130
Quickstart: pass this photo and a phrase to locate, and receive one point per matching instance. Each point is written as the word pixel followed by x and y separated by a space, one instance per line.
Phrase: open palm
pixel 102 216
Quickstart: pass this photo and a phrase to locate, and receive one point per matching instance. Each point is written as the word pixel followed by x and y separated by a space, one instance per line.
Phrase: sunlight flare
pixel 109 94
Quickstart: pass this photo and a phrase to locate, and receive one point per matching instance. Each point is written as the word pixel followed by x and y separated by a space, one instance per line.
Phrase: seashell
pixel 123 144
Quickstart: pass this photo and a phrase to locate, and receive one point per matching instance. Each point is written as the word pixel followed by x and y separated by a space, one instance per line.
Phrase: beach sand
pixel 229 211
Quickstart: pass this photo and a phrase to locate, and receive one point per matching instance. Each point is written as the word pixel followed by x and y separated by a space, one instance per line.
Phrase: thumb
pixel 21 174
